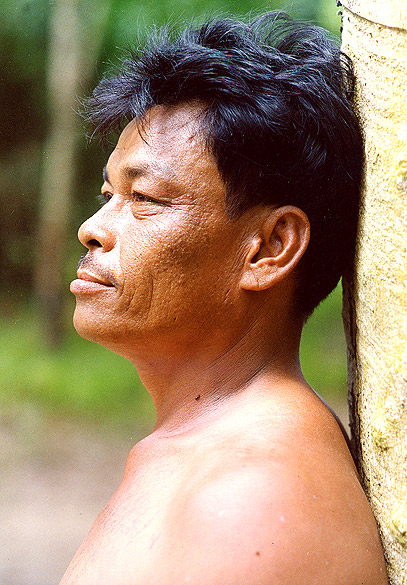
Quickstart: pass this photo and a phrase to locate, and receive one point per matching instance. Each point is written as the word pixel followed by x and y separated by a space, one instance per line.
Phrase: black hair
pixel 277 116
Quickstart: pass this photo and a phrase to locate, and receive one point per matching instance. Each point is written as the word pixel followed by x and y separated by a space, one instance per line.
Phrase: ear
pixel 276 248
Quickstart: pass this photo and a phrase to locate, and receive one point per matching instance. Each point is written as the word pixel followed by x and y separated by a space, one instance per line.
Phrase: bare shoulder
pixel 286 513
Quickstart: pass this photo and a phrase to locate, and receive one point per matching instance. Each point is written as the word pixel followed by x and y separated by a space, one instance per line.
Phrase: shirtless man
pixel 230 211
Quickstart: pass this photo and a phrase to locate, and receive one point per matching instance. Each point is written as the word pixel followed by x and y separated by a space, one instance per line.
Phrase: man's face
pixel 164 258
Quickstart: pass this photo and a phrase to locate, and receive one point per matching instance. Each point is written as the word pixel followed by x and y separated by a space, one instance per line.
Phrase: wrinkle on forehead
pixel 183 118
pixel 162 122
pixel 168 143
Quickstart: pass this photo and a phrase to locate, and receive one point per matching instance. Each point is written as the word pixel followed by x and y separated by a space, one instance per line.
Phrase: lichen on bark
pixel 375 299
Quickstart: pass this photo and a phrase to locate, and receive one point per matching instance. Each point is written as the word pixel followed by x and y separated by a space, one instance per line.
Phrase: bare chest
pixel 125 543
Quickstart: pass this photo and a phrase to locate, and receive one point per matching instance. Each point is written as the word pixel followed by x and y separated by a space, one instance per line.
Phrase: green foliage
pixel 82 379
pixel 323 348
pixel 78 379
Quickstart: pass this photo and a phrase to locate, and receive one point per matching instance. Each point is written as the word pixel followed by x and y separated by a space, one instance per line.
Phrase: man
pixel 230 211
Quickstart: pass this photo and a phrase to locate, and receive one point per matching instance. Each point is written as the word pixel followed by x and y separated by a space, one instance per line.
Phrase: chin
pixel 91 325
pixel 100 329
pixel 86 327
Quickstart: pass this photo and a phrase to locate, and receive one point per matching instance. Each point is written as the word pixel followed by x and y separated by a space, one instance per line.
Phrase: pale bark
pixel 375 37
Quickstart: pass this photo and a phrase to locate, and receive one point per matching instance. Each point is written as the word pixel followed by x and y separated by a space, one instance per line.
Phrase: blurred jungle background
pixel 70 410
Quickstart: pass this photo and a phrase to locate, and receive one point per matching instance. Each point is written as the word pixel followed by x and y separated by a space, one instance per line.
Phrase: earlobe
pixel 276 248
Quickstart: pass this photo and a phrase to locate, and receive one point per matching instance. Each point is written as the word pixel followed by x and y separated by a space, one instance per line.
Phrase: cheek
pixel 162 268
pixel 137 258
pixel 176 271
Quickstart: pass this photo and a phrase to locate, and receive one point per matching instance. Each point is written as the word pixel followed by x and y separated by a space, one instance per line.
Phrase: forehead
pixel 167 144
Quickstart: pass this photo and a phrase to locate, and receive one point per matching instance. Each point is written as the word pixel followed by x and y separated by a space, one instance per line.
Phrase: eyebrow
pixel 132 172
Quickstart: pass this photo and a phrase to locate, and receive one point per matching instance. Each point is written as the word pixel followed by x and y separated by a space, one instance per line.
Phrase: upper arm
pixel 254 527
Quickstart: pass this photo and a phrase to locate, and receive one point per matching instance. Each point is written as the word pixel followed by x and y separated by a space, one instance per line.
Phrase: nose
pixel 96 232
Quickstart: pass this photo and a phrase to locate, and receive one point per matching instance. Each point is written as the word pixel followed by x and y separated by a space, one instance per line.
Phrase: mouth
pixel 90 277
pixel 88 282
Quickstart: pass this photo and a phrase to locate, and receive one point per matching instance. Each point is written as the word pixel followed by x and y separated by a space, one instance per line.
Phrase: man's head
pixel 167 267
pixel 273 110
pixel 162 242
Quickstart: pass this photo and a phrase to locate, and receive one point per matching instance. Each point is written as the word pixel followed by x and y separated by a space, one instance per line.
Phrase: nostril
pixel 94 244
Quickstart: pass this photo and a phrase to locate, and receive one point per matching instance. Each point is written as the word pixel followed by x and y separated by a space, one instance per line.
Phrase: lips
pixel 90 277
pixel 89 282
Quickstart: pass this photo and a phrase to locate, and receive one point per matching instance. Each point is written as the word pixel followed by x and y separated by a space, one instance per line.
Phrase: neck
pixel 190 387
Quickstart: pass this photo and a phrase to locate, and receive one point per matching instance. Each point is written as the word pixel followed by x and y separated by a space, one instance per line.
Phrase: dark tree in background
pixel 58 165
pixel 67 67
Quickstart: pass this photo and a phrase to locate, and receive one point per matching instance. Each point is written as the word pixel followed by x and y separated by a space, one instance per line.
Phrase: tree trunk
pixel 58 166
pixel 75 44
pixel 375 302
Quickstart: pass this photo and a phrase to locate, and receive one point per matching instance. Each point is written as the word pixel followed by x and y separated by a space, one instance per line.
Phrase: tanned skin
pixel 246 478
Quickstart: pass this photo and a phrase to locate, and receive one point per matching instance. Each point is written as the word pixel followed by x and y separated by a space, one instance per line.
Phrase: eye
pixel 140 197
pixel 104 197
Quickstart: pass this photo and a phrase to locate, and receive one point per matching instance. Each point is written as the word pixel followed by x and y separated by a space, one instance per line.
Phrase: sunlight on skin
pixel 245 461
